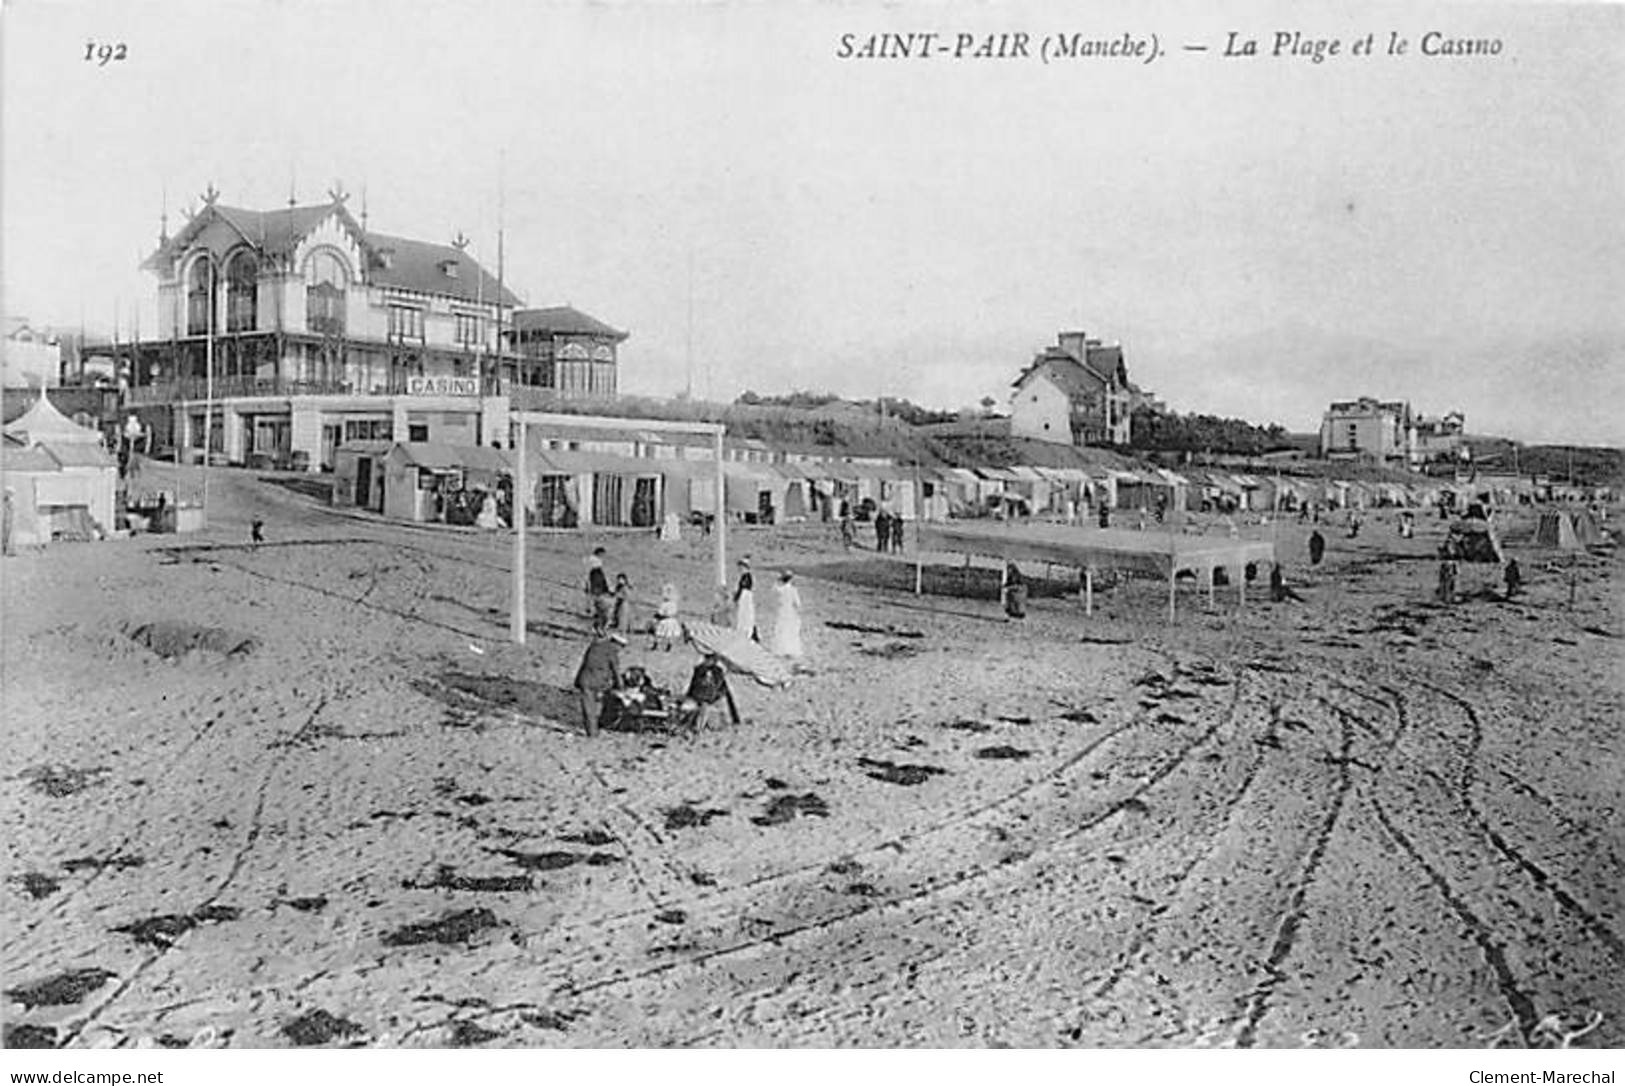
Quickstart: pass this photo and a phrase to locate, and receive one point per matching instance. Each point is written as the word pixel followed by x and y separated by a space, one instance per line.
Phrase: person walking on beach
pixel 1513 577
pixel 256 531
pixel 745 602
pixel 598 592
pixel 1105 514
pixel 786 637
pixel 1015 592
pixel 668 630
pixel 600 672
pixel 620 618
pixel 882 530
pixel 1447 577
pixel 847 538
pixel 897 534
pixel 1317 547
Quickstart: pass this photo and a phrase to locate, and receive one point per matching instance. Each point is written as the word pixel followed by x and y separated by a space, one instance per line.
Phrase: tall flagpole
pixel 521 481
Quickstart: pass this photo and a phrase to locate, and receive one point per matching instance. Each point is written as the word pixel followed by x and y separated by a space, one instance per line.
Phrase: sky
pixel 1263 234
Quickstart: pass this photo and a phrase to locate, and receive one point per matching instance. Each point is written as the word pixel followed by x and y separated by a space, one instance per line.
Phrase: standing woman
pixel 1015 592
pixel 745 602
pixel 786 640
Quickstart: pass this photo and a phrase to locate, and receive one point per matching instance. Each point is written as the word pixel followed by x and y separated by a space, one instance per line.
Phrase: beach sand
pixel 358 814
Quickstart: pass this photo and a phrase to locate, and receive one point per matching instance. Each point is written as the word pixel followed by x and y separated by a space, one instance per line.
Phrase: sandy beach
pixel 358 815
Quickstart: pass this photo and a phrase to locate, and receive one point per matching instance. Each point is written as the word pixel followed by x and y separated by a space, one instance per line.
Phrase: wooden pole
pixel 521 488
pixel 1088 590
pixel 721 514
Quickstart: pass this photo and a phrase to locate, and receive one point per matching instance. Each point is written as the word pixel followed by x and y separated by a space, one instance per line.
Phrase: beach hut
pixel 59 478
pixel 572 488
pixel 358 474
pixel 424 480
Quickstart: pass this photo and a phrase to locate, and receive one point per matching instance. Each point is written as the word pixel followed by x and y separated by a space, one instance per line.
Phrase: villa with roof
pixel 1075 392
pixel 324 331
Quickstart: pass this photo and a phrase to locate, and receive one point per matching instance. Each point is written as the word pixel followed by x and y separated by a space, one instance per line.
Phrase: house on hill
pixel 1076 392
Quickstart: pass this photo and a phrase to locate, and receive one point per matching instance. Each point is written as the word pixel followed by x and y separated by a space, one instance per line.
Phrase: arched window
pixel 199 295
pixel 242 291
pixel 325 277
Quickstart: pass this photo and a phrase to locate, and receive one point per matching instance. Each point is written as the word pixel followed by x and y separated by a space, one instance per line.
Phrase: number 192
pixel 102 52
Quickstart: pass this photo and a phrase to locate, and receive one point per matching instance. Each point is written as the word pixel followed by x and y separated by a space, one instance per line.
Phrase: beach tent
pixel 1155 554
pixel 1567 530
pixel 61 480
pixel 42 423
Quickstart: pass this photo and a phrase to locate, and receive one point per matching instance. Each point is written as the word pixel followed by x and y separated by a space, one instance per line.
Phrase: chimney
pixel 1074 344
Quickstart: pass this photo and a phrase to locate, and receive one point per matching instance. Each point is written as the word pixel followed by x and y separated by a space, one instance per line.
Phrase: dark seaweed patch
pixel 891 650
pixel 1003 752
pixel 60 781
pixel 787 808
pixel 97 863
pixel 446 878
pixel 318 1028
pixel 453 927
pixel 35 884
pixel 1021 720
pixel 466 1034
pixel 968 726
pixel 554 1020
pixel 893 773
pixel 23 1035
pixel 700 878
pixel 62 990
pixel 846 865
pixel 888 631
pixel 1080 716
pixel 307 904
pixel 217 913
pixel 672 916
pixel 473 799
pixel 163 931
pixel 597 838
pixel 542 861
pixel 863 889
pixel 775 784
pixel 685 815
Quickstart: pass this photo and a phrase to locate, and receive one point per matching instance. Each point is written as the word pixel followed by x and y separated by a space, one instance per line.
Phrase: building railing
pixel 196 389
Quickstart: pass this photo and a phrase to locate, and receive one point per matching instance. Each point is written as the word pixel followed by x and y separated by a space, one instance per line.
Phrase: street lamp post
pixel 208 379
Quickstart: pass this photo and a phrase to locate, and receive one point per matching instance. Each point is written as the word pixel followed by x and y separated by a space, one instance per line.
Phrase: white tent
pixel 42 423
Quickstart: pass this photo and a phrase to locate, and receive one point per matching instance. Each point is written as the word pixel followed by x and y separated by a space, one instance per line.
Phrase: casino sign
pixel 442 386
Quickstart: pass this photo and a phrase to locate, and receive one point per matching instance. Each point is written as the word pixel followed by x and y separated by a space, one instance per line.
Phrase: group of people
pixel 784 639
pixel 888 532
pixel 609 695
pixel 606 693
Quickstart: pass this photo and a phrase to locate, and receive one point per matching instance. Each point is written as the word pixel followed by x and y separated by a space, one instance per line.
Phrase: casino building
pixel 321 331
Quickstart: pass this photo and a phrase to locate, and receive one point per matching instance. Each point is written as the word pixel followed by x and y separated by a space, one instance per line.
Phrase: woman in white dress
pixel 786 639
pixel 745 602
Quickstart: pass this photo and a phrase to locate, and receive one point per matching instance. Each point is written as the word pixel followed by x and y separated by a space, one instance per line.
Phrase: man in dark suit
pixel 599 674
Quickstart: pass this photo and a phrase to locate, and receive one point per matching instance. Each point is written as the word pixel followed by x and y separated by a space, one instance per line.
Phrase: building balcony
pixel 195 389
